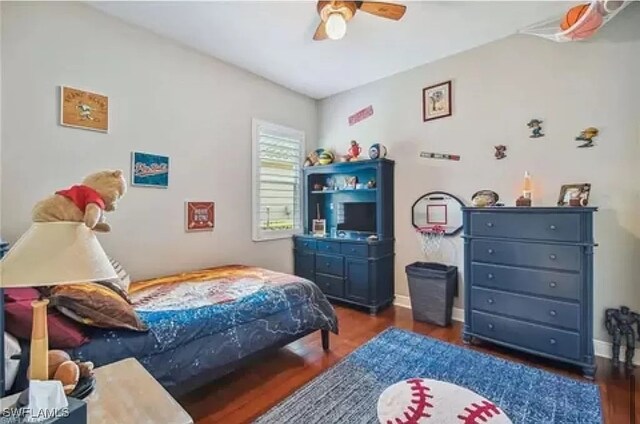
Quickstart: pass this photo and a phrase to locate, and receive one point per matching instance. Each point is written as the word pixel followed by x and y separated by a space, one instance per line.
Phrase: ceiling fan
pixel 335 14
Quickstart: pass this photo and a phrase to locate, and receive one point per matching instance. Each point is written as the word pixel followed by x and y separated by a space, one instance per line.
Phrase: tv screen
pixel 359 217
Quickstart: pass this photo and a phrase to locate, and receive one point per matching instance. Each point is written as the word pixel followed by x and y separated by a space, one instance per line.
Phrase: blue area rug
pixel 349 391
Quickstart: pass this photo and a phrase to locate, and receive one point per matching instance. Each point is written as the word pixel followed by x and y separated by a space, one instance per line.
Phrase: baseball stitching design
pixel 482 412
pixel 420 404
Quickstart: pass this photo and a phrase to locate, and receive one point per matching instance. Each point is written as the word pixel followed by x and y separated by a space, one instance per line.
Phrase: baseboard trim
pixel 600 347
pixel 457 314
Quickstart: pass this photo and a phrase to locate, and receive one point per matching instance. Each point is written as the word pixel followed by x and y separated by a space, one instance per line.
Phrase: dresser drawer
pixel 355 249
pixel 333 286
pixel 328 246
pixel 528 335
pixel 305 244
pixel 544 311
pixel 329 264
pixel 527 254
pixel 551 226
pixel 547 283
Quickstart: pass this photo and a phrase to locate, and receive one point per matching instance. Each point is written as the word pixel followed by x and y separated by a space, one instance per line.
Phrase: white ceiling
pixel 273 38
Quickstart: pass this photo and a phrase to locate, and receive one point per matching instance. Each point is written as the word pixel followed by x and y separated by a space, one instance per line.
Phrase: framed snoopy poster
pixel 436 101
pixel 84 109
pixel 149 170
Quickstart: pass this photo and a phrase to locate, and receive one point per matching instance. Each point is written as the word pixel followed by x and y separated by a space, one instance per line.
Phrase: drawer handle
pixel 552 341
pixel 328 247
pixel 490 251
pixel 490 326
pixel 490 224
pixel 553 313
pixel 490 276
pixel 490 301
pixel 553 284
pixel 305 244
pixel 353 249
pixel 327 264
pixel 552 227
pixel 553 257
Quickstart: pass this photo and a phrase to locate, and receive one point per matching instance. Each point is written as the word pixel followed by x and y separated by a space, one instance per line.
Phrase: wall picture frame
pixel 199 216
pixel 84 109
pixel 578 192
pixel 437 101
pixel 149 170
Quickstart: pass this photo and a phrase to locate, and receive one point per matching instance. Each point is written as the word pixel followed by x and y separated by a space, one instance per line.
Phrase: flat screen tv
pixel 359 216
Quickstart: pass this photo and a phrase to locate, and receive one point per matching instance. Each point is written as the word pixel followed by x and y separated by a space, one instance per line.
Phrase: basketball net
pixel 431 241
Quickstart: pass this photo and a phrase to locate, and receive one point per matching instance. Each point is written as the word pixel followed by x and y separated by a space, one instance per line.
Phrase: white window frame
pixel 257 233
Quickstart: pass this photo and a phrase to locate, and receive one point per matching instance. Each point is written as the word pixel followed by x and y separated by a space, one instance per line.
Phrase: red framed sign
pixel 200 216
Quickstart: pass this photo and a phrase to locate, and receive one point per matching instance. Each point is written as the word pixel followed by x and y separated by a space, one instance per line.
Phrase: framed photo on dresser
pixel 574 194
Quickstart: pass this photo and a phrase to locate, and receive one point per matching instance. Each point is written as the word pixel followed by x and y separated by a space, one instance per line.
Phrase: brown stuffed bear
pixel 86 203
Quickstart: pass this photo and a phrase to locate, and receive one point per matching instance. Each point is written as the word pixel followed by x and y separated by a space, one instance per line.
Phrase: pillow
pixel 11 366
pixel 63 333
pixel 96 305
pixel 124 279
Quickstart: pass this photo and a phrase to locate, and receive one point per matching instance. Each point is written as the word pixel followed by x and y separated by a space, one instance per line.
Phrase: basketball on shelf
pixel 582 21
pixel 325 157
pixel 377 151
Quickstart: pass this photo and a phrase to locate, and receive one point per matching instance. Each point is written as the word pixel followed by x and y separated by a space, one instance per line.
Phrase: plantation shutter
pixel 278 155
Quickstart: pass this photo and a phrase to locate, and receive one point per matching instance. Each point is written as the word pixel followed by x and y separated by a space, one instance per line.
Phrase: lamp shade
pixel 52 253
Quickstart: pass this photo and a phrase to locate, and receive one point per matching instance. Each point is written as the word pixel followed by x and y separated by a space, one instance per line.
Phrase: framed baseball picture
pixel 84 109
pixel 149 170
pixel 199 216
pixel 436 101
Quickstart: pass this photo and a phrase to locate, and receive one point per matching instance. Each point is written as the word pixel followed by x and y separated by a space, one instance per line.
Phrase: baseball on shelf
pixel 423 401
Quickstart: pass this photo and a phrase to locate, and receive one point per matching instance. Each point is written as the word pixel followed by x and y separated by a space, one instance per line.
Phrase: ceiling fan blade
pixel 321 33
pixel 384 10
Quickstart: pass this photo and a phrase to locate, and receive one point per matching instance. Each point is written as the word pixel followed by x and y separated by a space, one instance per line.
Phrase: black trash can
pixel 432 287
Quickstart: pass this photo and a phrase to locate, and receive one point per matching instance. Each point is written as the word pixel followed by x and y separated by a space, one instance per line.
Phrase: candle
pixel 526 190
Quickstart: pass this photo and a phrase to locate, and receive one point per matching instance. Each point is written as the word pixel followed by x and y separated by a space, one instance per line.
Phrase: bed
pixel 206 323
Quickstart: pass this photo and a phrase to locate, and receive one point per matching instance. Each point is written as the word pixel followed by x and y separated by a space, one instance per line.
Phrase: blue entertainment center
pixel 352 260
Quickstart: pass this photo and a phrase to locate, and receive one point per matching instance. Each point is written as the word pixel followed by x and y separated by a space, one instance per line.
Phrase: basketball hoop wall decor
pixel 438 209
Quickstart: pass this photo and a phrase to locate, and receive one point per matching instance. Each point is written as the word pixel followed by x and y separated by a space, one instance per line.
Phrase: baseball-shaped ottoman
pixel 424 401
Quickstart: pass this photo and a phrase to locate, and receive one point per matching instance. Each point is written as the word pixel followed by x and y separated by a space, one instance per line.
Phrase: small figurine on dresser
pixel 620 324
pixel 353 152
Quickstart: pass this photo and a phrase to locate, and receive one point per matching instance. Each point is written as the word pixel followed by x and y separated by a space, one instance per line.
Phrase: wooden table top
pixel 126 393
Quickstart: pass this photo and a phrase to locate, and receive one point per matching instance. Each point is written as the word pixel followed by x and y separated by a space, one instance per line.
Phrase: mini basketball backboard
pixel 440 210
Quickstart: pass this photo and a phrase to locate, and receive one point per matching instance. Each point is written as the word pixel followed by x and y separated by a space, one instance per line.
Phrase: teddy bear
pixel 87 202
pixel 68 372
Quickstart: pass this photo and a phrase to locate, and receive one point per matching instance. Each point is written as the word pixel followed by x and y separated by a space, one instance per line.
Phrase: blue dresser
pixel 529 280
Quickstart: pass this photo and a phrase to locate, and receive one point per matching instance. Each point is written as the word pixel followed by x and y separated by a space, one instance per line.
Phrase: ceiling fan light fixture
pixel 335 26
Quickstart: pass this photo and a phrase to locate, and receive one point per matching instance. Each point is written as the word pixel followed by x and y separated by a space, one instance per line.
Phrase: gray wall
pixel 497 89
pixel 164 99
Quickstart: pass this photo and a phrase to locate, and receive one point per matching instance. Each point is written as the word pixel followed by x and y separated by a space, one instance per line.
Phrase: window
pixel 277 158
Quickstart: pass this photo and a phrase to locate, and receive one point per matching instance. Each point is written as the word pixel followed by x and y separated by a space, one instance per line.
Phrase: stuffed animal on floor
pixel 86 202
pixel 68 372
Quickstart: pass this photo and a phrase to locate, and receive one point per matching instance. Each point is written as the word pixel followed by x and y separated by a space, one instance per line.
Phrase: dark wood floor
pixel 247 393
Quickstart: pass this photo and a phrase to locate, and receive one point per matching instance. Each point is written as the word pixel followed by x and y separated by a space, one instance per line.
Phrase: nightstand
pixel 126 393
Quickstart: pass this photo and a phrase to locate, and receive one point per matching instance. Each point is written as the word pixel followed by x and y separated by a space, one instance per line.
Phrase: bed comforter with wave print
pixel 202 323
